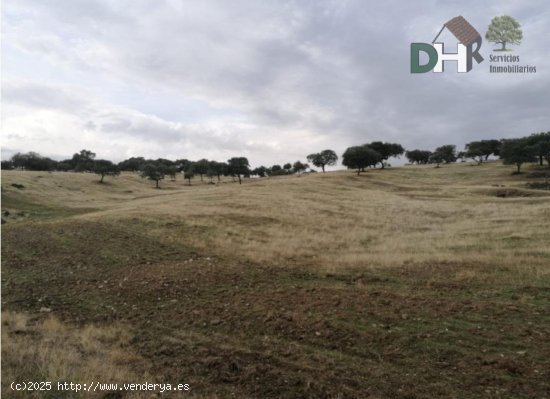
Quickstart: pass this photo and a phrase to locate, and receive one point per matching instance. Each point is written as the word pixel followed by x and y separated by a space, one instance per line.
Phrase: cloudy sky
pixel 270 80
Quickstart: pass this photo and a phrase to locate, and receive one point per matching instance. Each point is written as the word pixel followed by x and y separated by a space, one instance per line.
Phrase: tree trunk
pixel 157 183
pixel 503 46
pixel 102 176
pixel 519 167
pixel 239 176
pixel 201 179
pixel 358 171
pixel 323 167
pixel 541 163
pixel 219 179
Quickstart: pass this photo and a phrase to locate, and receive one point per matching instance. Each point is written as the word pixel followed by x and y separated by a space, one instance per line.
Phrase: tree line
pixel 518 151
pixel 533 148
pixel 157 169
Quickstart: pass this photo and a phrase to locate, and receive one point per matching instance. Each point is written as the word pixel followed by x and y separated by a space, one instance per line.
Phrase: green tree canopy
pixel 260 171
pixel 104 168
pixel 83 161
pixel 7 165
pixel 418 156
pixel 32 161
pixel 360 157
pixel 172 171
pixel 518 152
pixel 541 146
pixel 189 172
pixel 481 150
pixel 216 169
pixel 276 170
pixel 132 164
pixel 239 166
pixel 445 153
pixel 386 150
pixel 323 158
pixel 201 167
pixel 182 164
pixel 503 30
pixel 153 171
pixel 436 157
pixel 299 167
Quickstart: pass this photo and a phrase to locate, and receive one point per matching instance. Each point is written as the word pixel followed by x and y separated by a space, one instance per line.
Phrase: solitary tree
pixel 287 167
pixel 276 170
pixel 360 157
pixel 518 152
pixel 323 158
pixel 299 167
pixel 541 146
pixel 218 169
pixel 238 166
pixel 418 156
pixel 189 173
pixel 171 171
pixel 437 158
pixel 481 150
pixel 445 153
pixel 153 172
pixel 474 151
pixel 201 167
pixel 104 168
pixel 260 171
pixel 386 150
pixel 32 161
pixel 83 161
pixel 210 173
pixel 503 30
pixel 182 164
pixel 132 164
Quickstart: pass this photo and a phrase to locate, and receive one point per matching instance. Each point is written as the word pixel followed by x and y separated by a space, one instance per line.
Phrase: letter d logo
pixel 416 48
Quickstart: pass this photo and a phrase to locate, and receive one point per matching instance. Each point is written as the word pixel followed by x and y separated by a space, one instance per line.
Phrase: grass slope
pixel 410 282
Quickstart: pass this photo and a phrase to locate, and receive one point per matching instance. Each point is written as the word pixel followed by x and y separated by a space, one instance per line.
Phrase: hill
pixel 406 282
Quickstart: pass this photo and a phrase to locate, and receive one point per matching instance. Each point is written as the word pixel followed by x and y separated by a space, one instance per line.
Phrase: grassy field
pixel 411 282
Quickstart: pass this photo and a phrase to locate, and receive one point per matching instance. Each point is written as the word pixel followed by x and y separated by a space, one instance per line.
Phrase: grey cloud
pixel 110 123
pixel 41 96
pixel 334 72
pixel 89 126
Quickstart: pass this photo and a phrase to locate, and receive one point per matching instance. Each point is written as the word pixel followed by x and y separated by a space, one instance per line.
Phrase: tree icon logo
pixel 504 30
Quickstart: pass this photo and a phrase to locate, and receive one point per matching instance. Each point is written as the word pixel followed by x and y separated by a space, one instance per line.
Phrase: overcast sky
pixel 270 80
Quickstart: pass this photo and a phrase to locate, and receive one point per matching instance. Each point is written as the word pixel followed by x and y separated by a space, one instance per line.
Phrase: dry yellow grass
pixel 399 217
pixel 49 350
pixel 365 278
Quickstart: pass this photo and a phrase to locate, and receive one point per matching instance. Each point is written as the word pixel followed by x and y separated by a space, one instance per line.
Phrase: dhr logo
pixel 467 49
